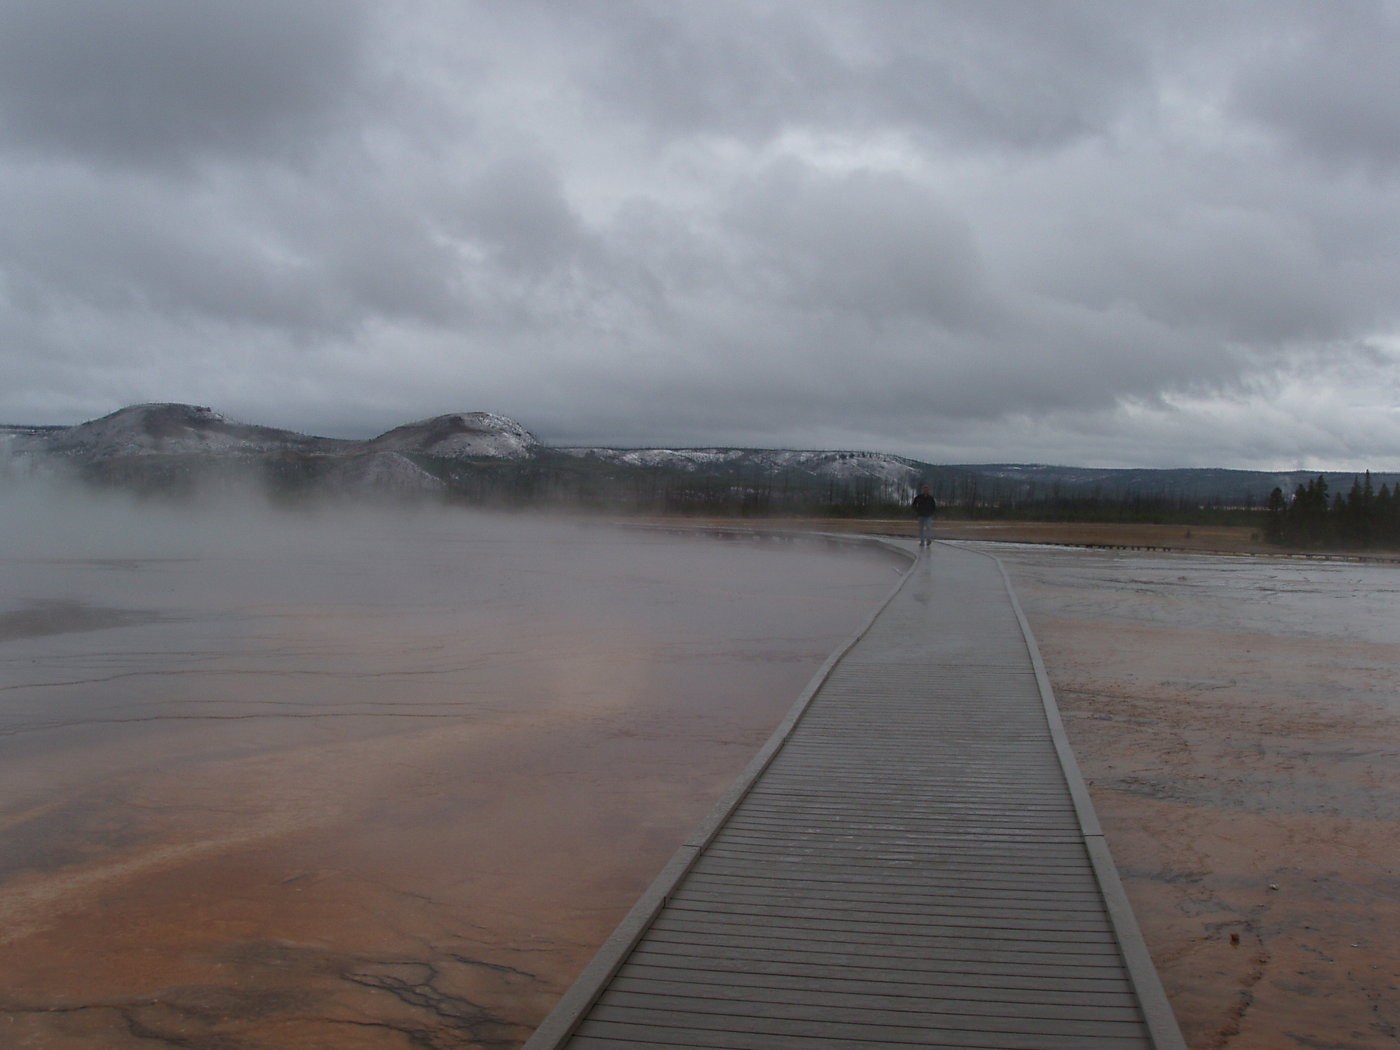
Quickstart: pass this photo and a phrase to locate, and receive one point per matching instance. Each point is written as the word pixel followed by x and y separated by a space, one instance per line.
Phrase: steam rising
pixel 268 752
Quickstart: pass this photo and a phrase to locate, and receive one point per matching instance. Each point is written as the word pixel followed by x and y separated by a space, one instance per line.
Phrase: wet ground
pixel 359 781
pixel 1238 720
pixel 364 781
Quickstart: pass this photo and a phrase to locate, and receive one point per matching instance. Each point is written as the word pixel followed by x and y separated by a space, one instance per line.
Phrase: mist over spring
pixel 265 774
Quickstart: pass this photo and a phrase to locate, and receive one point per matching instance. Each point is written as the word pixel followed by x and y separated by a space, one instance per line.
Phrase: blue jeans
pixel 925 530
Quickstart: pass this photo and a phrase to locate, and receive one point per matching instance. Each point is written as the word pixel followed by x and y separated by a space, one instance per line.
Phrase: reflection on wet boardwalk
pixel 912 861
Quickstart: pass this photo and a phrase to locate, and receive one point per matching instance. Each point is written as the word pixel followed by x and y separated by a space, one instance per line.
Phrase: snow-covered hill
pixel 841 466
pixel 460 436
pixel 169 429
pixel 177 430
pixel 153 430
pixel 143 444
pixel 481 455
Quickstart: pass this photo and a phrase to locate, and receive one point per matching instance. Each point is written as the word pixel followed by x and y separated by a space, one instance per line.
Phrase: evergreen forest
pixel 1312 517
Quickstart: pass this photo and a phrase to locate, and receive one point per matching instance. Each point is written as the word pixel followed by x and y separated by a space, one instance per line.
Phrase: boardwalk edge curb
pixel 1152 997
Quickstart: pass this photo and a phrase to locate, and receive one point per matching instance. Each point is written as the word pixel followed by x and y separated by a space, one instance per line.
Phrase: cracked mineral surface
pixel 357 781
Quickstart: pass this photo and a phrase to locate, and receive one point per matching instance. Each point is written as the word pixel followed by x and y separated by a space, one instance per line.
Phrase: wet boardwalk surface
pixel 912 862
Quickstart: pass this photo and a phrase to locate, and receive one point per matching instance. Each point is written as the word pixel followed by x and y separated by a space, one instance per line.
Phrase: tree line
pixel 1311 517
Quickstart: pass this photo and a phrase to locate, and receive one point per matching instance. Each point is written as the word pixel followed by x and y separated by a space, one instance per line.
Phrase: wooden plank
pixel 916 834
pixel 1049 860
pixel 930 895
pixel 904 816
pixel 1008 908
pixel 1054 870
pixel 931 831
pixel 969 942
pixel 717 968
pixel 913 787
pixel 948 955
pixel 890 999
pixel 887 914
pixel 1049 855
pixel 815 792
pixel 841 1022
pixel 1049 863
pixel 919 799
pixel 726 972
pixel 593 1035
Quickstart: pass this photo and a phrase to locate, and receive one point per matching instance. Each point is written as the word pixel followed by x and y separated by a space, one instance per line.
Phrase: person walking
pixel 924 506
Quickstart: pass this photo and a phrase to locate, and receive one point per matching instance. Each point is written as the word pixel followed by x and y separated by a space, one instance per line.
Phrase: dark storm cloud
pixel 1127 233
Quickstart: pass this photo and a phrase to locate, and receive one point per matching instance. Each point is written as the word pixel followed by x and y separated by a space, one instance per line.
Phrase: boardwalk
pixel 912 862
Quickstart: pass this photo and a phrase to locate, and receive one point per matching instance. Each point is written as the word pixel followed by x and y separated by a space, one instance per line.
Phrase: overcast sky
pixel 1097 233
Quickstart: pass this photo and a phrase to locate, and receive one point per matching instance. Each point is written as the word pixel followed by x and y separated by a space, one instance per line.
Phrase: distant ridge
pixel 482 456
pixel 177 429
pixel 171 429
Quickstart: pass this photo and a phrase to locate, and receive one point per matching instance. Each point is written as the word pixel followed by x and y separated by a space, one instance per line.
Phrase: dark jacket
pixel 924 506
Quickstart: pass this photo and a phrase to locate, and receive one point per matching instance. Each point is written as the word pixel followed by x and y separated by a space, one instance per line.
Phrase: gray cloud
pixel 106 241
pixel 955 229
pixel 516 211
pixel 1022 76
pixel 997 76
pixel 699 70
pixel 155 81
pixel 875 244
pixel 1328 87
